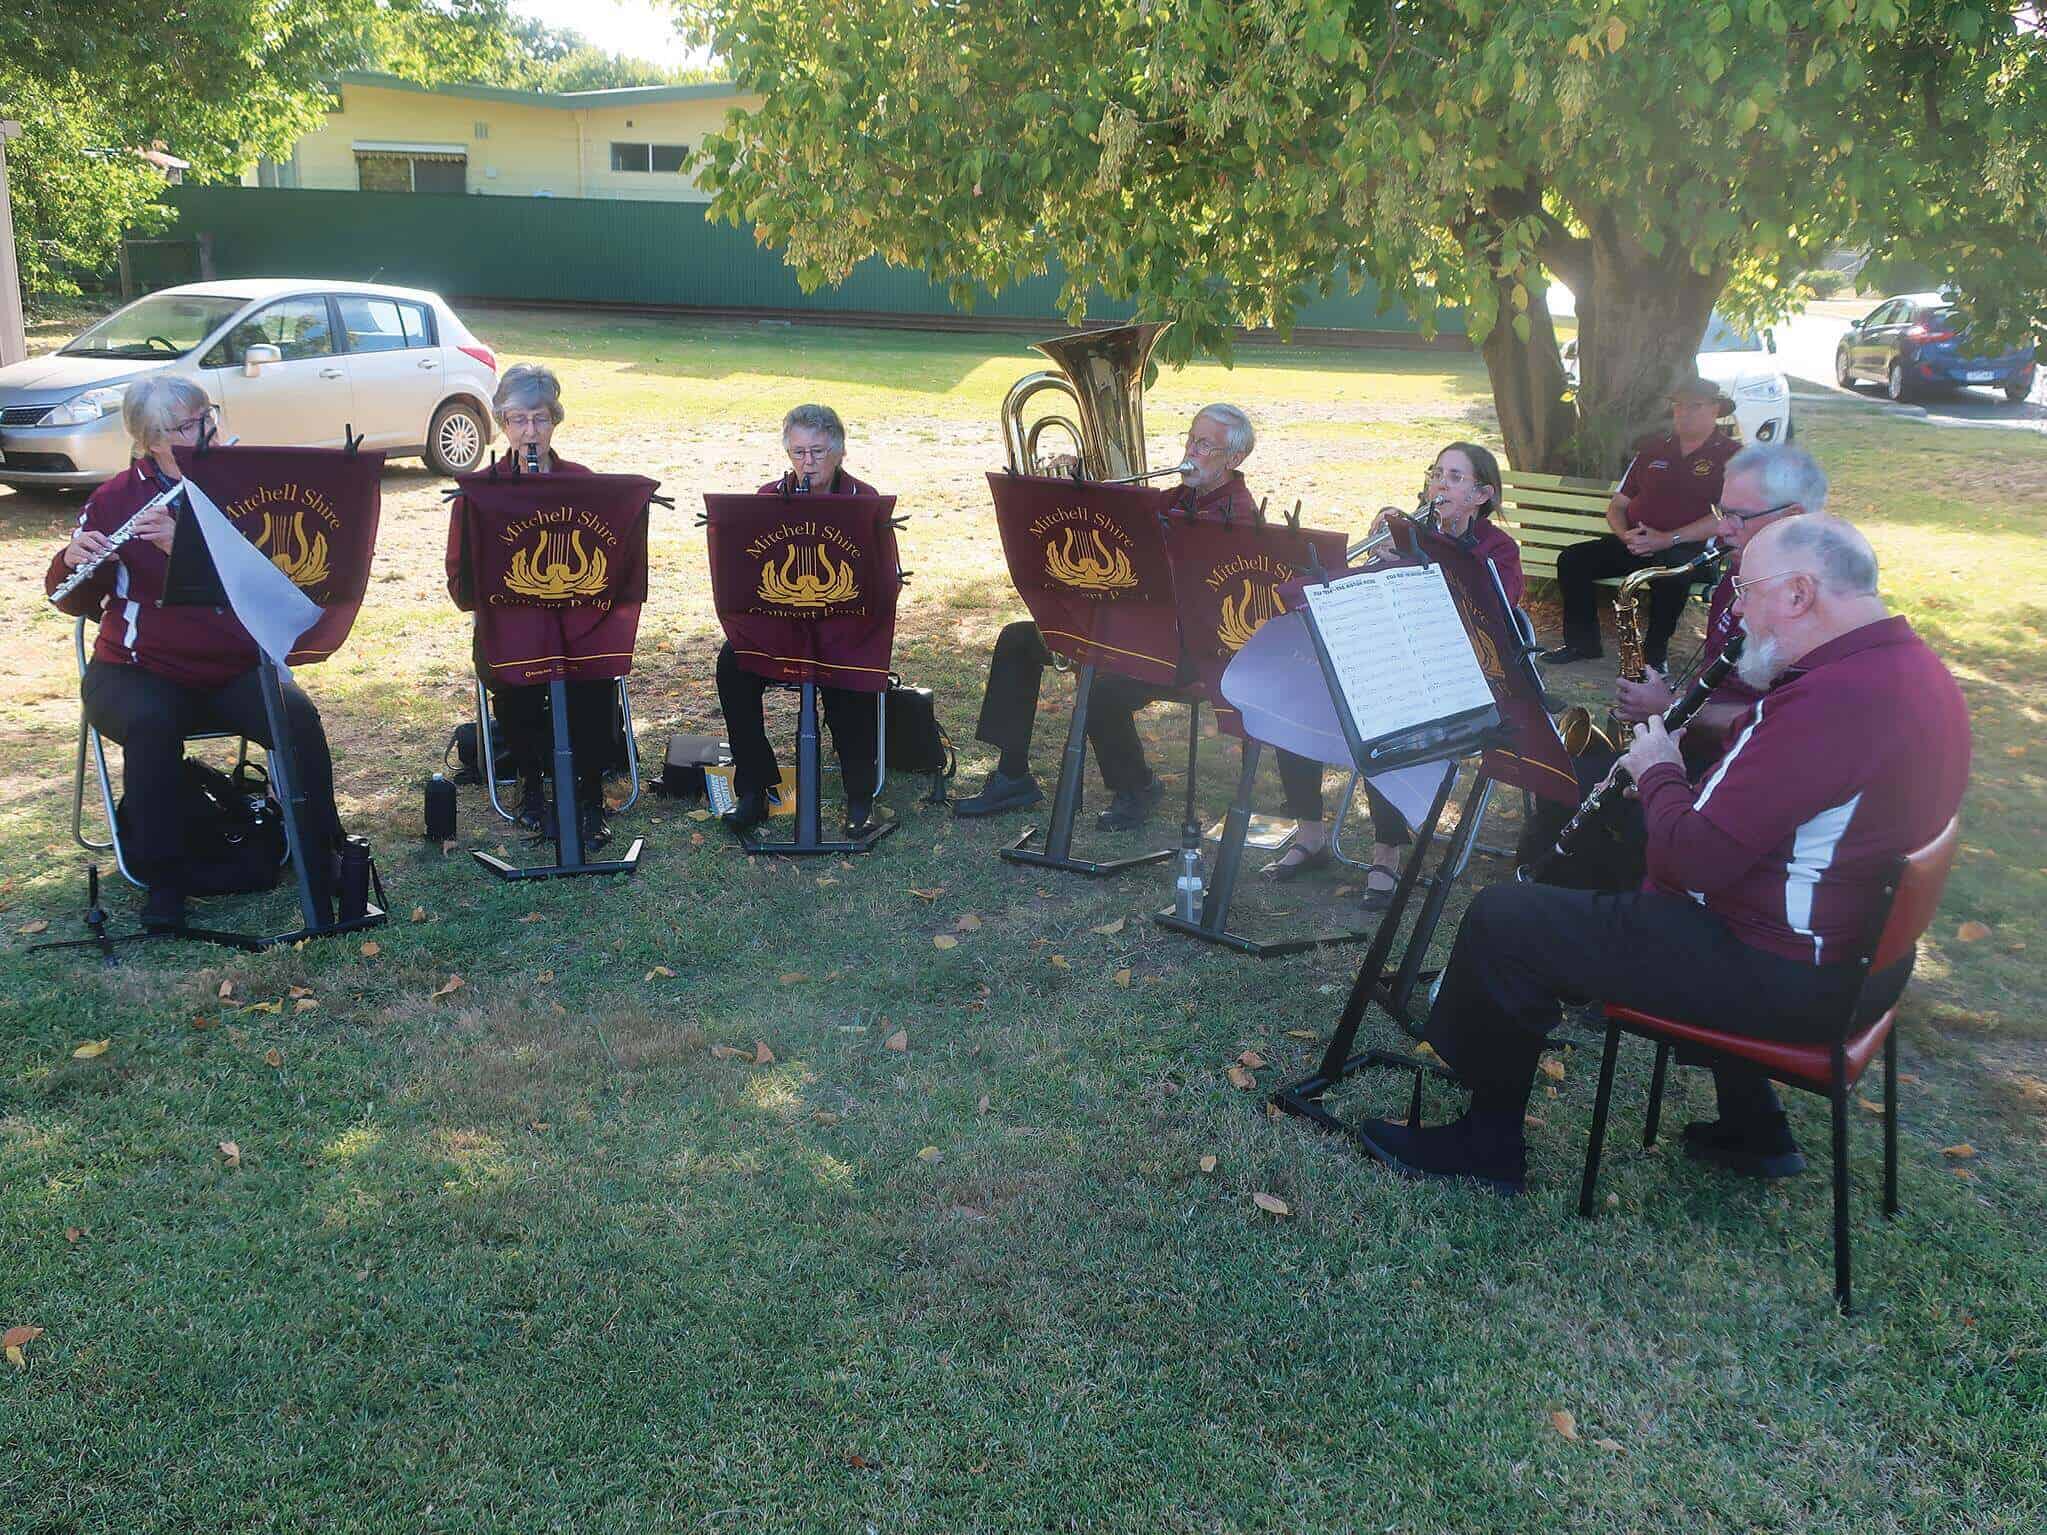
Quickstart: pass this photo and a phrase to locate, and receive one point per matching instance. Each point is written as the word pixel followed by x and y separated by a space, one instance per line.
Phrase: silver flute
pixel 115 539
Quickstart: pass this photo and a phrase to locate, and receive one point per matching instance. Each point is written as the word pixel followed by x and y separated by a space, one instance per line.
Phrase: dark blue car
pixel 1915 344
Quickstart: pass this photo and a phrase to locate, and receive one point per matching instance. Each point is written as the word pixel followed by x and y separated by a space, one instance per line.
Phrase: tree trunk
pixel 1536 421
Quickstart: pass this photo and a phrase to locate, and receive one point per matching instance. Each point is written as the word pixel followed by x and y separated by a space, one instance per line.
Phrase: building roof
pixel 560 101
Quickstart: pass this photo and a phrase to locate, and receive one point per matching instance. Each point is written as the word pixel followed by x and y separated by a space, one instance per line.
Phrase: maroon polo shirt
pixel 1667 487
pixel 196 647
pixel 842 484
pixel 1496 546
pixel 1855 756
pixel 1233 496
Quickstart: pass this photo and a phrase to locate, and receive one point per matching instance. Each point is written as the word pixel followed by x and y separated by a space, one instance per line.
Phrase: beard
pixel 1761 660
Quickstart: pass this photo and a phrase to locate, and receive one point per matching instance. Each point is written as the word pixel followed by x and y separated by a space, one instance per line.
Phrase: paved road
pixel 1805 347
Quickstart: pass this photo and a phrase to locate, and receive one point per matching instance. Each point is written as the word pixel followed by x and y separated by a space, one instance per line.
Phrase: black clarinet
pixel 1675 718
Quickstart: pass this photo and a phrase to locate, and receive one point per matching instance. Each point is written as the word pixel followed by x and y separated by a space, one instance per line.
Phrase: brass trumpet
pixel 1423 516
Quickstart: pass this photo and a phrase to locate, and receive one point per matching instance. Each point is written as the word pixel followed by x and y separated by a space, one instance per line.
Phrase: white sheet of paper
pixel 266 600
pixel 1397 649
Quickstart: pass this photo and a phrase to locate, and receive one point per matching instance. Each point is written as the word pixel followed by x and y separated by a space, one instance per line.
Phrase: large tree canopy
pixel 216 81
pixel 1218 161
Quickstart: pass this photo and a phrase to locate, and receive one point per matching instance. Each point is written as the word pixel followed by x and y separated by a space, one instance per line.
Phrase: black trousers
pixel 1582 567
pixel 151 716
pixel 1524 950
pixel 1300 780
pixel 852 718
pixel 526 724
pixel 1009 708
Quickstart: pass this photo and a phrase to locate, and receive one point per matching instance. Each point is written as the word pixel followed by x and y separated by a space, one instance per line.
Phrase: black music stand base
pixel 568 815
pixel 1213 925
pixel 809 840
pixel 1394 991
pixel 1057 852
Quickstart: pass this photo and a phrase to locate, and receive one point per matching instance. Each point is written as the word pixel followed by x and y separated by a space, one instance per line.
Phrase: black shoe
pixel 1487 1149
pixel 163 911
pixel 748 811
pixel 859 817
pixel 1374 899
pixel 1758 1148
pixel 1131 808
pixel 1564 655
pixel 534 811
pixel 1001 792
pixel 596 830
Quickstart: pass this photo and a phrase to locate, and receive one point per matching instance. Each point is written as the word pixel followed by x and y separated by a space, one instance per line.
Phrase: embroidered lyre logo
pixel 557 567
pixel 1086 562
pixel 284 539
pixel 808 578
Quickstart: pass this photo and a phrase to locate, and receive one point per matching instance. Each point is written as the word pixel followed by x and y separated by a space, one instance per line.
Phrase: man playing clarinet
pixel 1211 486
pixel 814 439
pixel 1761 878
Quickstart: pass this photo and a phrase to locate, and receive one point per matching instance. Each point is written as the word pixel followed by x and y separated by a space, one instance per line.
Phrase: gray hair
pixel 1786 473
pixel 1236 426
pixel 1839 556
pixel 817 418
pixel 528 386
pixel 153 406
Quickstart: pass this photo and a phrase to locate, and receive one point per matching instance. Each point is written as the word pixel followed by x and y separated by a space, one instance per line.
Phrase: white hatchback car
pixel 291 362
pixel 1746 368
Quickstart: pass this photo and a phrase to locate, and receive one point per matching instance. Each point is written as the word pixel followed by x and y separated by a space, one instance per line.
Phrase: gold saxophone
pixel 1579 730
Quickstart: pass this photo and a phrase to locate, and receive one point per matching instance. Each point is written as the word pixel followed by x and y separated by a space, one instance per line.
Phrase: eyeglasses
pixel 1740 587
pixel 1439 475
pixel 521 421
pixel 810 455
pixel 194 424
pixel 1203 447
pixel 1724 512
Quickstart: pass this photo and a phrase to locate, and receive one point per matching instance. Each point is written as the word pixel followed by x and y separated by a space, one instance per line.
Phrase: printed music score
pixel 1397 650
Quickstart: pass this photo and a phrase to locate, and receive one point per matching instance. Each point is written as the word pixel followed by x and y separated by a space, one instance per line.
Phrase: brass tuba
pixel 1102 372
pixel 1576 725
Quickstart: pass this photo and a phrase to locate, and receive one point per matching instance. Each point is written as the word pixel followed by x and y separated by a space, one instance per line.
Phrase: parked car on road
pixel 1745 366
pixel 1916 344
pixel 291 362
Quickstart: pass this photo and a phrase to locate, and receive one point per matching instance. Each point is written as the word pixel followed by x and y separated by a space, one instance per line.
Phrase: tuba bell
pixel 1102 373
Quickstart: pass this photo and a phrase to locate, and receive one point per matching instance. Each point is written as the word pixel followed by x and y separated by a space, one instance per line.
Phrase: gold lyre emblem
pixel 557 567
pixel 1091 565
pixel 808 578
pixel 1488 655
pixel 284 539
pixel 1244 614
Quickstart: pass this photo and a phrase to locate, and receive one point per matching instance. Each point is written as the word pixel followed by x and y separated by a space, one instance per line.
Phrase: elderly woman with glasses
pixel 159 674
pixel 528 405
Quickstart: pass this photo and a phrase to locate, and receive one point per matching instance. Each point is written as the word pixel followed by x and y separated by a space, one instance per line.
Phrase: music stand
pixel 803 584
pixel 1090 563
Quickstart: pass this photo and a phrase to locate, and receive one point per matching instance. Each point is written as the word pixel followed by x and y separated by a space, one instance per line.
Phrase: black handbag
pixel 234 831
pixel 463 746
pixel 917 743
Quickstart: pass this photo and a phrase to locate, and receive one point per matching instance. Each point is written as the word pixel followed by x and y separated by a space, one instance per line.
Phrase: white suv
pixel 1743 366
pixel 290 362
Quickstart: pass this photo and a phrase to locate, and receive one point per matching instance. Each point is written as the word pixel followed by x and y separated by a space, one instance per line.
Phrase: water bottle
pixel 1187 887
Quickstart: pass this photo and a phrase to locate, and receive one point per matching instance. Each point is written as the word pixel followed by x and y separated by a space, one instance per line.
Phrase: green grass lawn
pixel 529 1254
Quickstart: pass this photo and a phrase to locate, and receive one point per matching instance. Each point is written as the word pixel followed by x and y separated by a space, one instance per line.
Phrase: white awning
pixel 435 151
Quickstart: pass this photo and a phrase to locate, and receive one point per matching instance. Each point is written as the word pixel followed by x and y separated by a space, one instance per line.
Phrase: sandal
pixel 1379 900
pixel 1295 862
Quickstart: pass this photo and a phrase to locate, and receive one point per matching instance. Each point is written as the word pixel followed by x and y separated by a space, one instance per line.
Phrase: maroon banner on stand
pixel 314 512
pixel 806 585
pixel 1090 563
pixel 557 564
pixel 1227 580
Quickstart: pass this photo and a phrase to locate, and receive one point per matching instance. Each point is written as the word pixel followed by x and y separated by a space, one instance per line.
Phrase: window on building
pixel 399 171
pixel 667 159
pixel 278 173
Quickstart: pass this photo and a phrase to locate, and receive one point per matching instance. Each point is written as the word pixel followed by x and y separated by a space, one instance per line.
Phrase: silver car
pixel 290 361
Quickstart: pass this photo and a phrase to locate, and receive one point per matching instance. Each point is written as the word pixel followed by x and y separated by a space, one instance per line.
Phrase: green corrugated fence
pixel 590 250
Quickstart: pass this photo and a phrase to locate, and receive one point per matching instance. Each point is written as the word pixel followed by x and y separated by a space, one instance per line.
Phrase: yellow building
pixel 384 134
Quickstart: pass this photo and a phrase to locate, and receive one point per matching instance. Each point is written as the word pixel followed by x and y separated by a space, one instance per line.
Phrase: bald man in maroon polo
pixel 1763 876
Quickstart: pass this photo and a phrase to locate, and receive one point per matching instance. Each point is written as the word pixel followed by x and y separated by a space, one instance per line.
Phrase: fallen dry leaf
pixel 900 1040
pixel 1534 1121
pixel 273 1006
pixel 982 1106
pixel 1059 962
pixel 1959 1151
pixel 1271 1204
pixel 793 977
pixel 944 941
pixel 660 970
pixel 273 1056
pixel 73 1233
pixel 825 1117
pixel 544 978
pixel 1963 1172
pixel 449 844
pixel 1308 1034
pixel 1552 1068
pixel 37 926
pixel 201 1021
pixel 306 1005
pixel 369 950
pixel 453 983
pixel 728 1053
pixel 1869 1103
pixel 16 1357
pixel 930 1154
pixel 967 924
pixel 419 914
pixel 1972 932
pixel 824 880
pixel 1252 1059
pixel 231 1153
pixel 1109 929
pixel 92 1049
pixel 533 916
pixel 700 815
pixel 1611 1446
pixel 227 989
pixel 762 1055
pixel 1240 1078
pixel 301 991
pixel 1565 1423
pixel 1122 978
pixel 696 839
pixel 928 895
pixel 1208 1163
pixel 20 1337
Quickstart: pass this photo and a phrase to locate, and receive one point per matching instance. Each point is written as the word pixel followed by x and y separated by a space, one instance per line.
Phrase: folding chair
pixel 486 749
pixel 1830 1069
pixel 90 740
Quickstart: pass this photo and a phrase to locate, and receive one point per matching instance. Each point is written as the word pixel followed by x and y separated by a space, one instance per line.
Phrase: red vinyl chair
pixel 1830 1068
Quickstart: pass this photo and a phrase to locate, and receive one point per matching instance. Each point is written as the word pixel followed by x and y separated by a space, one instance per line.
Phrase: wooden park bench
pixel 1550 512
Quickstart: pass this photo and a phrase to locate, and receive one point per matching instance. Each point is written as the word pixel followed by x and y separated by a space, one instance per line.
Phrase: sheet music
pixel 1397 649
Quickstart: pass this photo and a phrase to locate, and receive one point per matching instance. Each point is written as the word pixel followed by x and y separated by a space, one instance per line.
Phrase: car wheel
pixel 1844 369
pixel 456 440
pixel 2018 390
pixel 1896 384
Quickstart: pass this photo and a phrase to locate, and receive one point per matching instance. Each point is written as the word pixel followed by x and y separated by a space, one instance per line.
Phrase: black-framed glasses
pixel 1768 511
pixel 194 424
